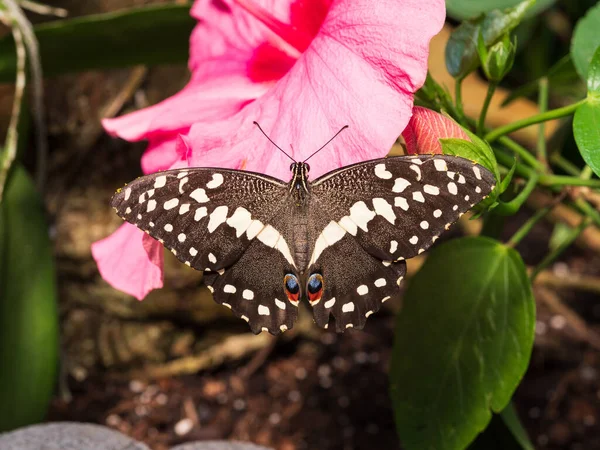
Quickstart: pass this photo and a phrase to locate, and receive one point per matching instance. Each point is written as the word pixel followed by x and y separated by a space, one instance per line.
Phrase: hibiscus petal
pixel 129 260
pixel 162 153
pixel 212 100
pixel 361 69
pixel 426 128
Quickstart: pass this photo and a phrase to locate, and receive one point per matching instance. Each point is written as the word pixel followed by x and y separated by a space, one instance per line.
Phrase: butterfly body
pixel 339 242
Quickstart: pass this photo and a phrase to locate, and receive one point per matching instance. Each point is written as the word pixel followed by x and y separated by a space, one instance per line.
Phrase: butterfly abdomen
pixel 301 246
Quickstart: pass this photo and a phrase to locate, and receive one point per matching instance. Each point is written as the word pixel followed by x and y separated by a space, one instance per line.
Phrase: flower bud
pixel 498 59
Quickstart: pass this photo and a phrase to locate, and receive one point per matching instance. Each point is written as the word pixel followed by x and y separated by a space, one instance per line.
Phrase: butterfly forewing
pixel 393 209
pixel 210 219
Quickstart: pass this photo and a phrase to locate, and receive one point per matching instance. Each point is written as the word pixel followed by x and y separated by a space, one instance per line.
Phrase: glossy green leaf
pixel 586 40
pixel 148 35
pixel 463 343
pixel 461 52
pixel 28 306
pixel 505 432
pixel 593 79
pixel 466 9
pixel 469 150
pixel 586 129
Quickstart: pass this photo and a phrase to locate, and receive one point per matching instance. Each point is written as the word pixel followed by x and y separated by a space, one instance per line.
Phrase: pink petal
pixel 227 35
pixel 212 100
pixel 361 69
pixel 161 153
pixel 129 260
pixel 426 128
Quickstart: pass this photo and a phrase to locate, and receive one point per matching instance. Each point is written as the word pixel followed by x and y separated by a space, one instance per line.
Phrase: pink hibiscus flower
pixel 302 69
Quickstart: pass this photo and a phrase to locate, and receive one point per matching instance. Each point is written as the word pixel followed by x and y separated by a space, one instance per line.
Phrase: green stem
pixel 486 105
pixel 511 207
pixel 522 153
pixel 566 180
pixel 538 118
pixel 586 173
pixel 458 98
pixel 562 163
pixel 552 256
pixel 543 105
pixel 528 226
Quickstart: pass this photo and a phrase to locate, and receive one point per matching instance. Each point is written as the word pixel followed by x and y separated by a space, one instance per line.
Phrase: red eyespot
pixel 314 288
pixel 292 288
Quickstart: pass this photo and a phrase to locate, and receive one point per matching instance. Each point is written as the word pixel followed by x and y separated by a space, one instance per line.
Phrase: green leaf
pixel 461 52
pixel 505 432
pixel 148 35
pixel 503 186
pixel 593 79
pixel 586 40
pixel 469 150
pixel 586 129
pixel 463 343
pixel 28 306
pixel 466 9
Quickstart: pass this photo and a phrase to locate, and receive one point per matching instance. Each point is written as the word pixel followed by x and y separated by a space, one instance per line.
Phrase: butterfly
pixel 339 241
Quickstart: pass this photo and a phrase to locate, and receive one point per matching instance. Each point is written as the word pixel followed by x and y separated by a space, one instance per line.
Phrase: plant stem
pixel 486 105
pixel 551 257
pixel 458 98
pixel 538 118
pixel 543 105
pixel 566 180
pixel 522 152
pixel 528 226
pixel 10 148
pixel 562 163
pixel 511 207
pixel 586 173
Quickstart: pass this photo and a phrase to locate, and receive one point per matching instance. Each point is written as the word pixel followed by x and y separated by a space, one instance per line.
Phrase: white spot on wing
pixel 362 289
pixel 437 213
pixel 248 294
pixel 200 213
pixel 127 193
pixel 418 197
pixel 168 228
pixel 269 236
pixel 329 303
pixel 182 174
pixel 424 224
pixel 184 208
pixel 217 180
pixel 160 181
pixel 170 204
pixel 151 206
pixel 452 188
pixel 229 289
pixel 361 215
pixel 401 203
pixel 413 240
pixel 393 246
pixel 181 237
pixel 477 172
pixel 182 183
pixel 254 229
pixel 431 190
pixel 348 224
pixel 212 258
pixel 440 165
pixel 193 251
pixel 240 220
pixel 417 170
pixel 380 282
pixel 279 303
pixel 263 310
pixel 400 184
pixel 199 195
pixel 217 217
pixel 348 307
pixel 381 172
pixel 384 209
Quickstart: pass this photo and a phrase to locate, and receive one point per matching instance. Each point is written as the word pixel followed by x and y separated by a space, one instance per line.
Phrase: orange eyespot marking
pixel 314 288
pixel 292 288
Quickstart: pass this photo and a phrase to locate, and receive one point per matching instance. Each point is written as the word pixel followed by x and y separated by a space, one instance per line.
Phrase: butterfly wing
pixel 371 216
pixel 216 220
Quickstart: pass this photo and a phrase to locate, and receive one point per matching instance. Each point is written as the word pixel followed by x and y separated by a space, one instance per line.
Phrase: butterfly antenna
pixel 325 144
pixel 271 141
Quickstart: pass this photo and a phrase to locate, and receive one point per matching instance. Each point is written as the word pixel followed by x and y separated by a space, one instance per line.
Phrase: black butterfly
pixel 339 241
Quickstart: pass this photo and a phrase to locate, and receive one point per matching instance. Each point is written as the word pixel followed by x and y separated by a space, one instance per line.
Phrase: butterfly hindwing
pixel 391 209
pixel 218 221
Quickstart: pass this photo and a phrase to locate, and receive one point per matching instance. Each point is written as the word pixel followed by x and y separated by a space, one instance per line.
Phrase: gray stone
pixel 68 436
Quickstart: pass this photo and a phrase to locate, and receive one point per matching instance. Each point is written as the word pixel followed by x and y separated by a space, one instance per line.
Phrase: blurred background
pixel 178 367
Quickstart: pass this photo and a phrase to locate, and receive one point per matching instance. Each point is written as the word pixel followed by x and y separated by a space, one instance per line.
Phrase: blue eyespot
pixel 315 283
pixel 291 283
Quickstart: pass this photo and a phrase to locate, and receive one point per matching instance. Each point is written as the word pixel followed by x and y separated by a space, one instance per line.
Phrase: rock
pixel 68 436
